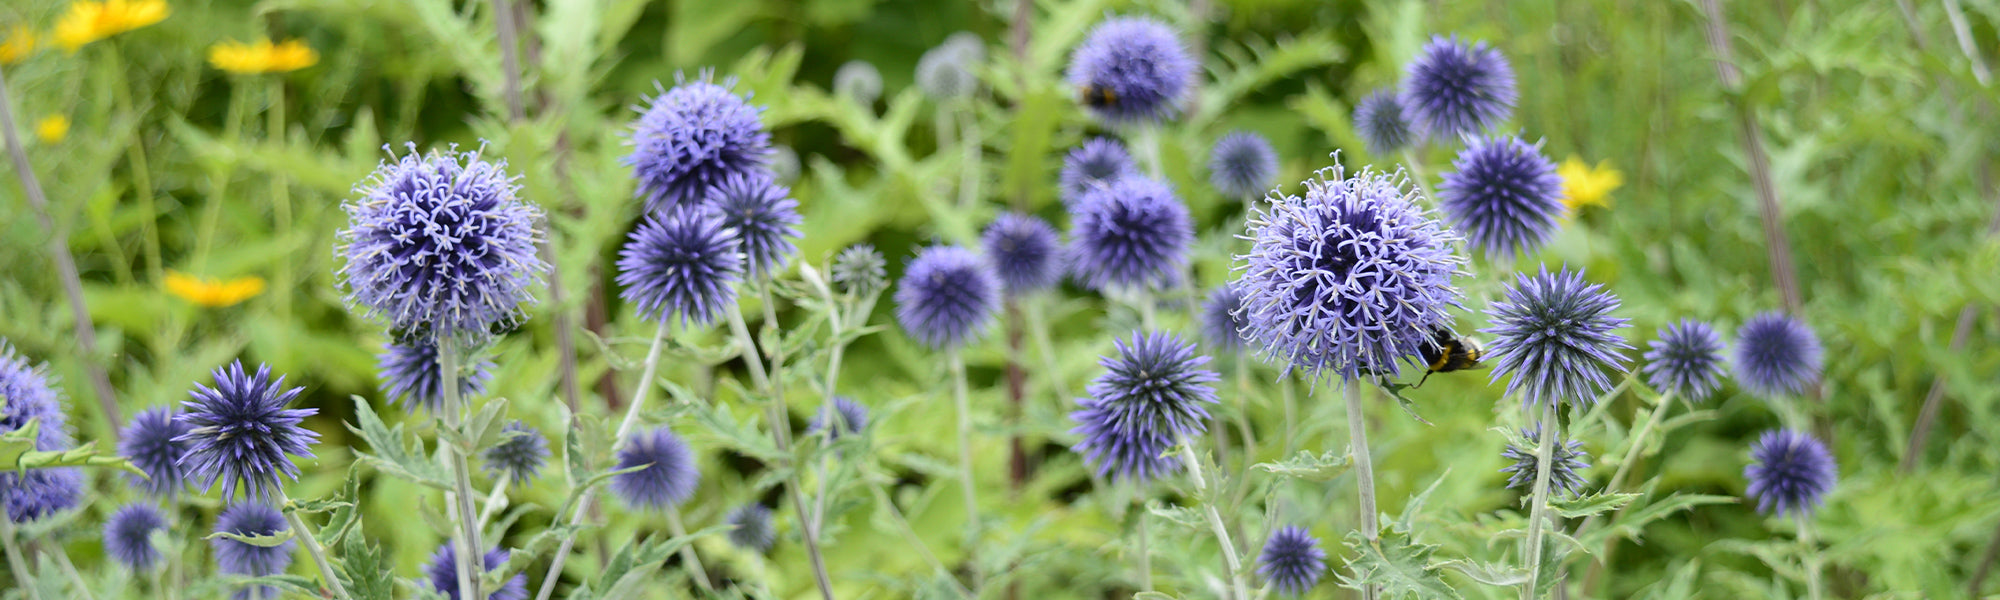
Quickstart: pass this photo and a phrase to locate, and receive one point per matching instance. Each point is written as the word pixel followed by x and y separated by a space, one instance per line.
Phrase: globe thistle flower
pixel 1383 124
pixel 1024 251
pixel 1565 466
pixel 520 453
pixel 1686 360
pixel 682 264
pixel 1452 89
pixel 1789 471
pixel 410 374
pixel 42 492
pixel 860 270
pixel 1131 233
pixel 946 72
pixel 128 536
pixel 252 519
pixel 1504 195
pixel 1149 397
pixel 1554 336
pixel 853 418
pixel 1222 324
pixel 1351 278
pixel 440 246
pixel 670 474
pixel 1292 560
pixel 148 441
pixel 1242 165
pixel 1138 64
pixel 692 137
pixel 1777 355
pixel 443 571
pixel 752 527
pixel 947 297
pixel 764 216
pixel 240 431
pixel 858 80
pixel 1097 163
pixel 29 397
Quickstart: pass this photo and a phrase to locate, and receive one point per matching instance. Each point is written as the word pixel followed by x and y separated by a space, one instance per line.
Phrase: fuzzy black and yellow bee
pixel 1447 353
pixel 1097 96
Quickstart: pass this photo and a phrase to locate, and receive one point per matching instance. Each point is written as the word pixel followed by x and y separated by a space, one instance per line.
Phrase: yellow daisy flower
pixel 1584 185
pixel 19 43
pixel 262 57
pixel 211 293
pixel 52 129
pixel 88 21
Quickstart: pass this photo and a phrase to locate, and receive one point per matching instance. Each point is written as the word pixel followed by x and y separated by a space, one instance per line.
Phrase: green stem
pixel 1214 519
pixel 781 432
pixel 1148 146
pixel 1038 330
pixel 972 172
pixel 496 499
pixel 1364 467
pixel 617 443
pixel 1144 546
pixel 965 473
pixel 1658 414
pixel 675 527
pixel 1243 425
pixel 453 410
pixel 1417 173
pixel 15 557
pixel 69 568
pixel 1812 560
pixel 281 199
pixel 310 539
pixel 830 417
pixel 882 496
pixel 1289 394
pixel 1538 511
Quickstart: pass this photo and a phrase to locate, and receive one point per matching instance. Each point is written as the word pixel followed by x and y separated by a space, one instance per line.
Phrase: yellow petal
pixel 210 293
pixel 52 129
pixel 19 43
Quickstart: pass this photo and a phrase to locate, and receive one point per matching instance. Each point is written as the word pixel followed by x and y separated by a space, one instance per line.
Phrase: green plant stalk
pixel 467 538
pixel 1215 523
pixel 972 173
pixel 617 441
pixel 310 539
pixel 1659 413
pixel 1243 425
pixel 1538 511
pixel 1289 393
pixel 496 499
pixel 779 432
pixel 675 527
pixel 1419 174
pixel 833 420
pixel 69 568
pixel 1145 546
pixel 1811 542
pixel 1364 467
pixel 281 199
pixel 13 546
pixel 965 482
pixel 1148 145
pixel 1038 330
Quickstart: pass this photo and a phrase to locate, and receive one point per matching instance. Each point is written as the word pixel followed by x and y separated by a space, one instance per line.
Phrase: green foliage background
pixel 1879 134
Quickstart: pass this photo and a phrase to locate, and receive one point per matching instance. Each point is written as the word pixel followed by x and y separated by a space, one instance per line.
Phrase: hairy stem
pixel 1364 467
pixel 1144 547
pixel 617 442
pixel 496 499
pixel 1208 501
pixel 693 562
pixel 454 409
pixel 1812 561
pixel 310 539
pixel 781 433
pixel 75 578
pixel 966 487
pixel 1538 510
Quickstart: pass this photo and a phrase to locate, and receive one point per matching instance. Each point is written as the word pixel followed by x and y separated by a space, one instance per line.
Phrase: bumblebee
pixel 1447 353
pixel 1097 96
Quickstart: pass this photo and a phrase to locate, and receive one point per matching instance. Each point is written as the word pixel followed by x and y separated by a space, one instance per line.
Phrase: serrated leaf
pixel 1397 565
pixel 18 453
pixel 368 574
pixel 1409 406
pixel 1589 505
pixel 1488 573
pixel 293 583
pixel 261 541
pixel 1305 466
pixel 1179 514
pixel 392 455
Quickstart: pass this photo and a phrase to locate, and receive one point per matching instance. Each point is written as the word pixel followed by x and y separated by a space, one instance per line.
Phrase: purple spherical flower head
pixel 1222 321
pixel 853 418
pixel 1024 251
pixel 1504 195
pixel 1565 466
pixel 443 572
pixel 440 246
pixel 1555 336
pixel 1097 163
pixel 1132 233
pixel 28 397
pixel 1242 165
pixel 1789 471
pixel 1452 89
pixel 239 558
pixel 1149 397
pixel 128 536
pixel 669 476
pixel 240 431
pixel 764 216
pixel 947 297
pixel 692 137
pixel 1686 359
pixel 685 263
pixel 1383 124
pixel 753 529
pixel 1352 278
pixel 1777 355
pixel 149 442
pixel 1139 67
pixel 409 371
pixel 1292 560
pixel 520 454
pixel 42 492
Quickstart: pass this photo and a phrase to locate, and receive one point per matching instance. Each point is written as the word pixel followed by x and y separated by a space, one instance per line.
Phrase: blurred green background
pixel 1880 139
